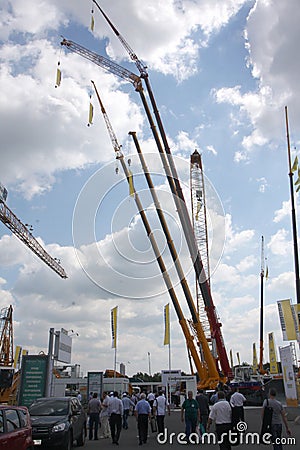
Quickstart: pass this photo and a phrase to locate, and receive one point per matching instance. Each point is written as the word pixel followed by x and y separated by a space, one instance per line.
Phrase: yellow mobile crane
pixel 206 367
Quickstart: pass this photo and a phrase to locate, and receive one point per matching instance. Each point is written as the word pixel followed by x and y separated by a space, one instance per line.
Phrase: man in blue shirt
pixel 142 413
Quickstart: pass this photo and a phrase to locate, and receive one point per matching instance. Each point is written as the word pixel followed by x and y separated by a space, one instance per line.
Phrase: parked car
pixel 57 422
pixel 15 428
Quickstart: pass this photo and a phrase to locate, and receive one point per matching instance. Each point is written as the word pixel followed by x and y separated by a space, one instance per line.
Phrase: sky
pixel 222 74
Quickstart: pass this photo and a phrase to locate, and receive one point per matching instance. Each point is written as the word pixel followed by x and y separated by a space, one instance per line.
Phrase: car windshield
pixel 51 407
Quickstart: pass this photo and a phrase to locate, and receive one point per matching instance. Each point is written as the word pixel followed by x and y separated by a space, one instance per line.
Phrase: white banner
pixel 289 381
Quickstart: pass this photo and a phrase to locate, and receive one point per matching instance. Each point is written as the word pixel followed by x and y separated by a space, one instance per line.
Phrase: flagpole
pixel 294 225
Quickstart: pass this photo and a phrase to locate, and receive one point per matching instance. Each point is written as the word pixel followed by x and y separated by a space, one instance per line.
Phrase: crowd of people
pixel 111 412
pixel 198 414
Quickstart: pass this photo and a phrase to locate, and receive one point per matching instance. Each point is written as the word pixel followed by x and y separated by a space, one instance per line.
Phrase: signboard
pixel 33 378
pixel 63 346
pixel 288 320
pixel 272 355
pixel 289 381
pixel 95 383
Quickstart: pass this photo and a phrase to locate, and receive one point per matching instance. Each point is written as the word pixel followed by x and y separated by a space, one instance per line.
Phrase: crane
pixel 6 337
pixel 173 180
pixel 201 367
pixel 20 230
pixel 199 220
pixel 176 190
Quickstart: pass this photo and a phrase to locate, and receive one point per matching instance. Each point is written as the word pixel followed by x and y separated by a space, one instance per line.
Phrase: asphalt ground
pixel 129 438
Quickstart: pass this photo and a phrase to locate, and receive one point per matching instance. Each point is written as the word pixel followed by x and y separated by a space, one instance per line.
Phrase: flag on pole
pixel 295 165
pixel 167 324
pixel 272 354
pixel 113 315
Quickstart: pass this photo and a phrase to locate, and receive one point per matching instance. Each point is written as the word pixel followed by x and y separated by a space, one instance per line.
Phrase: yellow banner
pixel 17 358
pixel 113 315
pixel 287 320
pixel 254 364
pixel 167 324
pixel 272 354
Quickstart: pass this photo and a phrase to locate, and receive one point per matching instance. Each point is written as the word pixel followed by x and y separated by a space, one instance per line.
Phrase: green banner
pixel 33 378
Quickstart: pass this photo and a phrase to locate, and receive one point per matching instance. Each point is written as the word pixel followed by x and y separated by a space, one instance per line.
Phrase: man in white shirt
pixel 237 402
pixel 160 406
pixel 115 411
pixel 220 413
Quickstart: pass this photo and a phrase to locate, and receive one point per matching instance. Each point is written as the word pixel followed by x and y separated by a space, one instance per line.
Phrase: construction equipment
pixel 201 368
pixel 173 180
pixel 24 234
pixel 199 220
pixel 6 354
pixel 174 183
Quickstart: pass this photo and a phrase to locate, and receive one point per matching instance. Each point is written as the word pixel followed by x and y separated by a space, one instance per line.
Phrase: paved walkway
pixel 129 439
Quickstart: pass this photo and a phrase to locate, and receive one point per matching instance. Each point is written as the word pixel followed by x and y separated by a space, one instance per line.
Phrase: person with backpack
pixel 276 415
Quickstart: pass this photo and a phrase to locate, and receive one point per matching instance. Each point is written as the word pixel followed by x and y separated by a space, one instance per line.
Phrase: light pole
pixel 149 362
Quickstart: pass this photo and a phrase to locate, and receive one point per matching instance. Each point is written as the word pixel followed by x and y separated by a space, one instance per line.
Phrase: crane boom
pixel 103 62
pixel 19 229
pixel 142 68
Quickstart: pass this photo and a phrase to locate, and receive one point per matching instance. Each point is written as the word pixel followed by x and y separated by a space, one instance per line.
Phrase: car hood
pixel 47 420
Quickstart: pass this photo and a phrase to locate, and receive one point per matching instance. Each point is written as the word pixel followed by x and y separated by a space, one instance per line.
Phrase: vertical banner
pixel 113 315
pixel 272 354
pixel 254 363
pixel 167 324
pixel 17 358
pixel 296 315
pixel 288 320
pixel 289 381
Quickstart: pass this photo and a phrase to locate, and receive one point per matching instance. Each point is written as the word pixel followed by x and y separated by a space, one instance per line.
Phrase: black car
pixel 57 422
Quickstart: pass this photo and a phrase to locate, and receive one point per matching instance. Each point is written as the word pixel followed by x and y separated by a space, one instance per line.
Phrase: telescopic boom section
pixel 20 230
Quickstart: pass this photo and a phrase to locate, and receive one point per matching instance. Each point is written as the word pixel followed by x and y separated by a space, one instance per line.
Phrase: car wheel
pixel 81 439
pixel 69 444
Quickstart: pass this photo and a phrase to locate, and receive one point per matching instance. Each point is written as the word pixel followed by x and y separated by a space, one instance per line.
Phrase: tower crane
pixel 204 368
pixel 173 180
pixel 20 230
